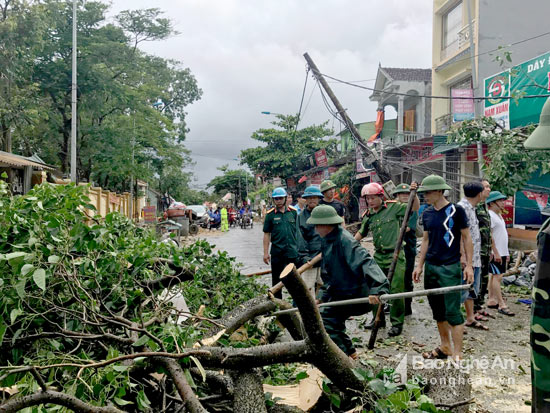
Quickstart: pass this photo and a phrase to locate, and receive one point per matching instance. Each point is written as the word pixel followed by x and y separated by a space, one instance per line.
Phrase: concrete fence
pixel 107 201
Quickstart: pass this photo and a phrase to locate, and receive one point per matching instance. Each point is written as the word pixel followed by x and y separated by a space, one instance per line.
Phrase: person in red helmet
pixel 383 219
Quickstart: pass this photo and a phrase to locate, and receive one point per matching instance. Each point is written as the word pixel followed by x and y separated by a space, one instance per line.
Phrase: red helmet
pixel 374 188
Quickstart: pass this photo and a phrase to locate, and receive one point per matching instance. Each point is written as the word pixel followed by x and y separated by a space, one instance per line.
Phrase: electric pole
pixel 370 155
pixel 73 100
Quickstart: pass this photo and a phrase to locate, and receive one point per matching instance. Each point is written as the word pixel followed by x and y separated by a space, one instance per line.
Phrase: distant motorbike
pixel 213 225
pixel 246 220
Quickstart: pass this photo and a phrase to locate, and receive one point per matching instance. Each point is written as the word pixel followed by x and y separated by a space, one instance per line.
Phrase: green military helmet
pixel 326 185
pixel 540 138
pixel 433 183
pixel 401 189
pixel 495 196
pixel 324 215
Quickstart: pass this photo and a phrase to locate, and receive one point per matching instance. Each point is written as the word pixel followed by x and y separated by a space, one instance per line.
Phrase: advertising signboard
pixel 463 109
pixel 150 214
pixel 528 78
pixel 321 158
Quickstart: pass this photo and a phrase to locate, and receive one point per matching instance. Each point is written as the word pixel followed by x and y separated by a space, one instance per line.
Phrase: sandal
pixel 436 353
pixel 485 313
pixel 506 311
pixel 493 306
pixel 478 326
pixel 480 317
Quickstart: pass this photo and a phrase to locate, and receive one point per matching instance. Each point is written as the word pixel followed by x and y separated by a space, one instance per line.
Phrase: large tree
pixel 236 181
pixel 131 105
pixel 286 149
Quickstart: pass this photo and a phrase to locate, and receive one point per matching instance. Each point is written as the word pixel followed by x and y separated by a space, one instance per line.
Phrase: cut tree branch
pixel 16 404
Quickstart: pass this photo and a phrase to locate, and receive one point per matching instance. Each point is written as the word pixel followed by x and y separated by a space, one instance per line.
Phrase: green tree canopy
pixel 509 165
pixel 236 181
pixel 131 105
pixel 287 150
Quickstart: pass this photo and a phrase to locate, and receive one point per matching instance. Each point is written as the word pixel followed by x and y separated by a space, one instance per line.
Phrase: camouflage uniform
pixel 540 325
pixel 482 213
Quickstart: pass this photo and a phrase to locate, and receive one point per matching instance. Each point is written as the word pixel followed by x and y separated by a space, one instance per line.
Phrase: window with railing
pixel 452 24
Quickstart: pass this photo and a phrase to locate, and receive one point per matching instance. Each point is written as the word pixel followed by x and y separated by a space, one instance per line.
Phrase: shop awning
pixel 10 160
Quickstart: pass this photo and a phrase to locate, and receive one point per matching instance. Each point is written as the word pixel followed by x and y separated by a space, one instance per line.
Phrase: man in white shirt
pixel 472 197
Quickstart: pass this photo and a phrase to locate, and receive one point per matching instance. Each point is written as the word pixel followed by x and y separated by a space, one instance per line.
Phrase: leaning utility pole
pixel 370 155
pixel 73 101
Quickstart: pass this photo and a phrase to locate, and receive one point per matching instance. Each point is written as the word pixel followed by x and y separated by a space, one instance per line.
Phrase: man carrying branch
pixel 445 224
pixel 383 219
pixel 348 272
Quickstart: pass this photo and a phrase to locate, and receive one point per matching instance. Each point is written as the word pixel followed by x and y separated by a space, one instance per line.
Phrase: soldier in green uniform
pixel 383 219
pixel 402 192
pixel 482 213
pixel 280 231
pixel 308 240
pixel 540 309
pixel 348 272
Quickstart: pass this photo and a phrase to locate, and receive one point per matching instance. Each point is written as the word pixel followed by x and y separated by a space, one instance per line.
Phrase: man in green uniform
pixel 280 232
pixel 307 239
pixel 482 213
pixel 348 272
pixel 402 192
pixel 384 220
pixel 540 309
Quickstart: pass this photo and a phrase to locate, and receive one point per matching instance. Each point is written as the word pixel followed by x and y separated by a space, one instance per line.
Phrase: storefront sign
pixel 321 158
pixel 150 214
pixel 463 109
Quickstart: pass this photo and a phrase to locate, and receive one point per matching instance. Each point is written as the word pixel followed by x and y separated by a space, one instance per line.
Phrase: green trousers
pixel 540 325
pixel 397 307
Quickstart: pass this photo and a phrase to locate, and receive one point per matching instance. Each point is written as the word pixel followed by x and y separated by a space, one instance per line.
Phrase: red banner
pixel 150 214
pixel 508 213
pixel 321 158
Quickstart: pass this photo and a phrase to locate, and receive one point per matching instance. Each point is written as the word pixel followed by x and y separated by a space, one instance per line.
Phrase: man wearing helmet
pixel 383 219
pixel 348 272
pixel 328 189
pixel 402 192
pixel 445 228
pixel 308 240
pixel 280 232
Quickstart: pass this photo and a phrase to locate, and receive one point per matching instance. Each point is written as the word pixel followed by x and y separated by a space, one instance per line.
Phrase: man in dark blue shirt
pixel 445 224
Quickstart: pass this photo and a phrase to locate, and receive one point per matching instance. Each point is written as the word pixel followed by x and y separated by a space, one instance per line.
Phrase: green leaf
pixel 27 268
pixel 14 255
pixel 142 401
pixel 122 402
pixel 20 288
pixel 200 367
pixel 335 399
pixel 16 312
pixel 120 368
pixel 302 375
pixel 53 259
pixel 39 278
pixel 141 341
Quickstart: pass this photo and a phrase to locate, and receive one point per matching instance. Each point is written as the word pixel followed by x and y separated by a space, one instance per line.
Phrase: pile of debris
pixel 522 273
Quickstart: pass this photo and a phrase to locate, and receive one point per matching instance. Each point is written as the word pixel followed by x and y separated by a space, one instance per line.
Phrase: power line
pixel 434 96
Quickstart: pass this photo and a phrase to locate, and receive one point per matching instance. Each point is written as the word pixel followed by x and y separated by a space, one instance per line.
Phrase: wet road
pixel 243 244
pixel 507 338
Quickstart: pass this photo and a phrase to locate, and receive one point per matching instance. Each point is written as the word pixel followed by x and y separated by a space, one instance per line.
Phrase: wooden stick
pixel 255 274
pixel 310 264
pixel 391 270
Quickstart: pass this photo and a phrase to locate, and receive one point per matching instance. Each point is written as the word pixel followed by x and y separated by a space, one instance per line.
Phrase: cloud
pixel 247 57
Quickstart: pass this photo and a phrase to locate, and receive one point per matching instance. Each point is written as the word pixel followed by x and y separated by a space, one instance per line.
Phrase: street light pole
pixel 73 100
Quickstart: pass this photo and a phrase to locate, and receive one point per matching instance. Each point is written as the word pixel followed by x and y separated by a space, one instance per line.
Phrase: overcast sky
pixel 247 58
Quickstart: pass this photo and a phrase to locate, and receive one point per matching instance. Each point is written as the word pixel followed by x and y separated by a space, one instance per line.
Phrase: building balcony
pixel 460 43
pixel 402 138
pixel 443 124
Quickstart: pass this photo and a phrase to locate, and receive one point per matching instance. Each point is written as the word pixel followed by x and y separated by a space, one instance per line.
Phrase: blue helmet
pixel 278 193
pixel 312 191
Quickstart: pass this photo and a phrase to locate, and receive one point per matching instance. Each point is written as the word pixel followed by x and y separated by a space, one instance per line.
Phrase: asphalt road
pixel 504 386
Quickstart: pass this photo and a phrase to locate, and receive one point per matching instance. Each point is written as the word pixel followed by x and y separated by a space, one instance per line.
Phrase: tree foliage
pixel 131 105
pixel 509 164
pixel 87 319
pixel 236 181
pixel 287 150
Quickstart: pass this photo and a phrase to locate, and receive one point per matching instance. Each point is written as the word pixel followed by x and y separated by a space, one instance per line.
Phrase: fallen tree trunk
pixel 249 395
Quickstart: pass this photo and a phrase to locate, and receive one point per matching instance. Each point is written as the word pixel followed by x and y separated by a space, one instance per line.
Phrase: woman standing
pixel 501 254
